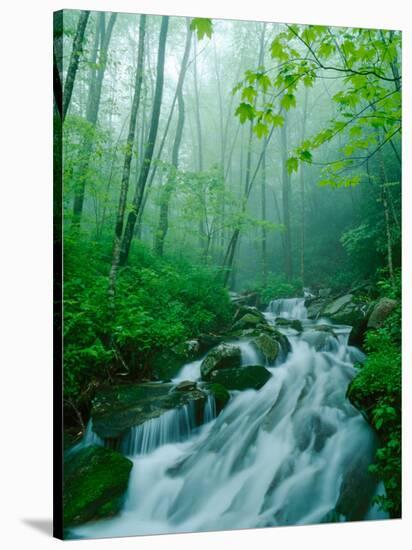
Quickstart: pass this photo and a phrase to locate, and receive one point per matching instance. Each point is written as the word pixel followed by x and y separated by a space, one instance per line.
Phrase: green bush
pixel 377 391
pixel 158 304
pixel 278 287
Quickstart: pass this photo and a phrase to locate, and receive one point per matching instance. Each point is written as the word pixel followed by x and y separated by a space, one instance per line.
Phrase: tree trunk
pixel 127 160
pixel 92 112
pixel 302 196
pixel 163 224
pixel 285 199
pixel 74 61
pixel 144 172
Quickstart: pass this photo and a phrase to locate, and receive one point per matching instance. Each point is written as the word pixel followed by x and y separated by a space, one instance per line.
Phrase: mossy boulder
pixel 95 480
pixel 249 320
pixel 267 346
pixel 289 323
pixel 244 378
pixel 381 311
pixel 116 409
pixel 346 310
pixel 245 310
pixel 223 356
pixel 167 363
pixel 220 393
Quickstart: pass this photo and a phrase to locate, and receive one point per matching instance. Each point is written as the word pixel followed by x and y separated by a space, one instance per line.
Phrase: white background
pixel 26 271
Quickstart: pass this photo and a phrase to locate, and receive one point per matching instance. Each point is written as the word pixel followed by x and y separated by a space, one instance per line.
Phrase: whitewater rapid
pixel 278 456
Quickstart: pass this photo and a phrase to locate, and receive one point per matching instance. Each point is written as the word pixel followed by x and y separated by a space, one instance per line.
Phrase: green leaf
pixel 249 94
pixel 288 101
pixel 292 164
pixel 261 130
pixel 203 27
pixel 245 112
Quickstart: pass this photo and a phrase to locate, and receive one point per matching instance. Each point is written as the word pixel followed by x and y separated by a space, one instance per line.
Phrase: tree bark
pixel 74 61
pixel 163 224
pixel 92 112
pixel 144 172
pixel 286 199
pixel 127 160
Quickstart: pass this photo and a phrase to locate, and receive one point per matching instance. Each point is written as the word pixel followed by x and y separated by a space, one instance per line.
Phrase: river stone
pixel 186 385
pixel 244 310
pixel 116 409
pixel 331 309
pixel 314 307
pixel 346 311
pixel 95 479
pixel 244 378
pixel 267 346
pixel 221 357
pixel 249 320
pixel 383 308
pixel 289 323
pixel 357 489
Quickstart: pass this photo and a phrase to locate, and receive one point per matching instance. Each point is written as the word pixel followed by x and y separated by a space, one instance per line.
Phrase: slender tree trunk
pixel 127 160
pixel 92 112
pixel 384 198
pixel 141 183
pixel 163 224
pixel 302 196
pixel 286 199
pixel 199 143
pixel 74 61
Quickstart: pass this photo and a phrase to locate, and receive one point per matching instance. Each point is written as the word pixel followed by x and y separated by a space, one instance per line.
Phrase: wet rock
pixel 357 489
pixel 249 320
pixel 186 385
pixel 314 307
pixel 249 377
pixel 118 408
pixel 220 393
pixel 267 346
pixel 382 309
pixel 208 341
pixel 223 356
pixel 95 480
pixel 244 310
pixel 346 311
pixel 289 323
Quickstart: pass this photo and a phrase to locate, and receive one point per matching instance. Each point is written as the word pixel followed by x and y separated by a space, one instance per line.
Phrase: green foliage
pixel 158 304
pixel 202 26
pixel 377 390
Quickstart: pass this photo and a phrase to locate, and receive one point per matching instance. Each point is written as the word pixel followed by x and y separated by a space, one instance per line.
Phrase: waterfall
pixel 171 427
pixel 288 308
pixel 296 452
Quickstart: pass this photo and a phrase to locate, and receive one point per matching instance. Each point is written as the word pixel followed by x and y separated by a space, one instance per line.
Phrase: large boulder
pixel 223 356
pixel 383 308
pixel 116 409
pixel 249 320
pixel 347 311
pixel 249 377
pixel 267 346
pixel 95 480
pixel 295 324
pixel 244 310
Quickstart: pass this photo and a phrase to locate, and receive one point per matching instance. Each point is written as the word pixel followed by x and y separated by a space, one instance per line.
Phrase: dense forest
pixel 209 168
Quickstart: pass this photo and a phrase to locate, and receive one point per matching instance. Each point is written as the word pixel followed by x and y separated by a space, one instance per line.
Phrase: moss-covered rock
pixel 167 363
pixel 267 346
pixel 381 311
pixel 116 409
pixel 95 480
pixel 249 320
pixel 223 356
pixel 244 378
pixel 289 323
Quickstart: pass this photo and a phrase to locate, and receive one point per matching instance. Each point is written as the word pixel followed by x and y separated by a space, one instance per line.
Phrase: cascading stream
pixel 293 453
